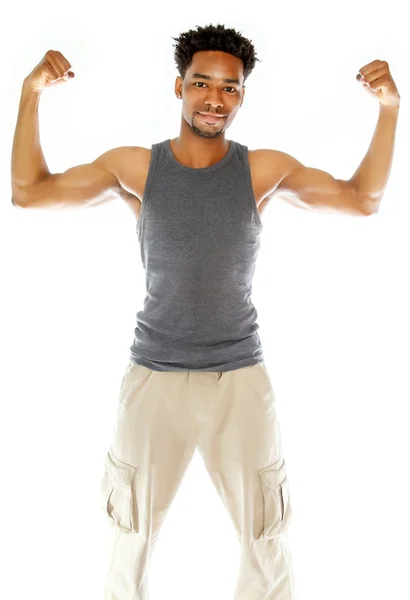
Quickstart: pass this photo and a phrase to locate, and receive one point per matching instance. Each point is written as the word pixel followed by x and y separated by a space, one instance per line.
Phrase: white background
pixel 331 293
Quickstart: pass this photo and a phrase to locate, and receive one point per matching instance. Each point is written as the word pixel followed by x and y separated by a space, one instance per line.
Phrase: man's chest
pixel 264 181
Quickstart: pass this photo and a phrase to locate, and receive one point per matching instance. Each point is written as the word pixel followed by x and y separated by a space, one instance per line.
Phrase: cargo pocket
pixel 118 499
pixel 277 510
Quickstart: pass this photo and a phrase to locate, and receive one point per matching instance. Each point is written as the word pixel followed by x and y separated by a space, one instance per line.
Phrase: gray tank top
pixel 199 236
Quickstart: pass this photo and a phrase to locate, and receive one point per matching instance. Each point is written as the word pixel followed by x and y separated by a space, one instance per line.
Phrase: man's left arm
pixel 362 193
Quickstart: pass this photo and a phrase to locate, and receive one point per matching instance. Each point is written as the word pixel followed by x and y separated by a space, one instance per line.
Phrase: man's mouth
pixel 211 118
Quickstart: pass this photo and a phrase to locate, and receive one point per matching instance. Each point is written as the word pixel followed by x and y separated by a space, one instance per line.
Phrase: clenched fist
pixel 53 69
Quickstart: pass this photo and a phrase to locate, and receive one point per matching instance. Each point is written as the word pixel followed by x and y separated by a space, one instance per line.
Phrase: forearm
pixel 371 177
pixel 28 164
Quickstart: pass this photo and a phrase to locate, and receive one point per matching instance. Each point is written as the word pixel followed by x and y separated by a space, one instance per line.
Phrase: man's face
pixel 212 94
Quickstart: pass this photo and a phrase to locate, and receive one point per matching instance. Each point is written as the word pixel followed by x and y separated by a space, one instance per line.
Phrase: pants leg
pixel 241 448
pixel 153 442
pixel 162 418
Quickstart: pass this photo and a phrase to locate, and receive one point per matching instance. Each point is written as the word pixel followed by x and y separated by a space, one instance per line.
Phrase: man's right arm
pixel 33 186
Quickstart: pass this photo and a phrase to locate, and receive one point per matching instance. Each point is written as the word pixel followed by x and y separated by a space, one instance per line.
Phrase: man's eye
pixel 202 83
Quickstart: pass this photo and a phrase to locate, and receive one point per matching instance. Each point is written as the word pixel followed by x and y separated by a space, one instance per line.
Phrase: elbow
pixel 15 202
pixel 371 210
pixel 369 213
pixel 23 197
pixel 18 196
pixel 370 206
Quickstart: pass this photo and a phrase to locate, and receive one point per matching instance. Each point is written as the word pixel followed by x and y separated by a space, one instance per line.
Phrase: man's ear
pixel 243 94
pixel 178 86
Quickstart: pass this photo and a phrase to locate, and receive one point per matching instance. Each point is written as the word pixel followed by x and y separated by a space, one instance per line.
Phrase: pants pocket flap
pixel 274 474
pixel 119 471
pixel 118 496
pixel 277 510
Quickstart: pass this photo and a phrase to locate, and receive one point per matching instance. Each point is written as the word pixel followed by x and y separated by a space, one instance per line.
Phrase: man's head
pixel 213 63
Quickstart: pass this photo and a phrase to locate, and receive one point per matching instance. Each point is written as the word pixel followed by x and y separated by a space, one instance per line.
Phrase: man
pixel 196 376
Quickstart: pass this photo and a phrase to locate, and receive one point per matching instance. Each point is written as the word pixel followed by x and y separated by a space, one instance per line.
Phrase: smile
pixel 211 119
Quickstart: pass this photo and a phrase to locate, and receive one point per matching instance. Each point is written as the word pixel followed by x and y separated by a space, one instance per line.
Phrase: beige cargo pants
pixel 230 416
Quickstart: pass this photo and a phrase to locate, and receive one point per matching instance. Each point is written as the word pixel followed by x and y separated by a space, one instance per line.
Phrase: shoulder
pixel 270 167
pixel 130 165
pixel 123 158
pixel 265 160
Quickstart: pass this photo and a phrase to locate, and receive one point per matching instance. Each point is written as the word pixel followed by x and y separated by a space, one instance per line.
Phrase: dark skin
pixel 274 173
pixel 199 144
pixel 213 84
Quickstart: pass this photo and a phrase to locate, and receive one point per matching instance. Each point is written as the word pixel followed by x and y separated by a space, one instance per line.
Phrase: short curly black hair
pixel 213 37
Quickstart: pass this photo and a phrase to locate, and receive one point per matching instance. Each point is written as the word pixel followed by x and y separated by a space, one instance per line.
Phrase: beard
pixel 211 133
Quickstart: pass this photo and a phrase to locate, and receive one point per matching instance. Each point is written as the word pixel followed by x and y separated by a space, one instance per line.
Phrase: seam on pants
pixel 291 596
pixel 112 555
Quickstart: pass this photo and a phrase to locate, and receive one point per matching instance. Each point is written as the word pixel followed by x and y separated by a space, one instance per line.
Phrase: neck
pixel 196 151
